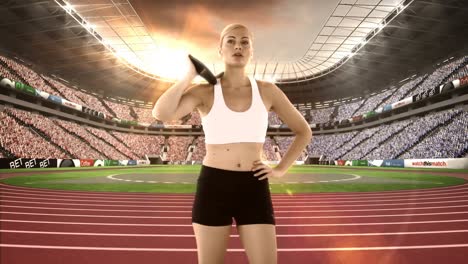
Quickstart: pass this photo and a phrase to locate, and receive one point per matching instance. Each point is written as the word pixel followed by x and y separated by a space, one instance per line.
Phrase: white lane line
pixel 368 216
pixel 103 210
pixel 102 193
pixel 356 177
pixel 97 234
pixel 276 211
pixel 278 225
pixel 274 204
pixel 98 205
pixel 191 199
pixel 294 196
pixel 101 216
pixel 372 248
pixel 278 235
pixel 277 217
pixel 402 192
pixel 235 249
pixel 101 201
pixel 113 177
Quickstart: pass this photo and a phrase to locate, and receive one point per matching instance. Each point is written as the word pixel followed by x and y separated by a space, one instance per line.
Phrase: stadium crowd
pixel 371 103
pixel 141 144
pixel 444 134
pixel 268 151
pixel 446 141
pixel 178 148
pixel 440 74
pixel 407 137
pixel 462 72
pixel 384 132
pixel 347 110
pixel 356 139
pixel 31 77
pixel 318 116
pixel 402 91
pixel 23 142
pixel 7 74
pixel 57 134
pixel 57 138
pixel 327 144
pixel 446 72
pixel 273 119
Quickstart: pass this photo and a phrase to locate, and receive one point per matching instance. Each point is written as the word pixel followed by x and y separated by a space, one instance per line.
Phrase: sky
pixel 156 36
pixel 283 29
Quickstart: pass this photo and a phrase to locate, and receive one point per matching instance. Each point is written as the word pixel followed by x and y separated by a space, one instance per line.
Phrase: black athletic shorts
pixel 224 194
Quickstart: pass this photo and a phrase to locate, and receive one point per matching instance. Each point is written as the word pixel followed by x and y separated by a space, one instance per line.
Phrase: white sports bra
pixel 222 125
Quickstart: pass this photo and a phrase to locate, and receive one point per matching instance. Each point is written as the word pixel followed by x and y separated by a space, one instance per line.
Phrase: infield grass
pixel 43 179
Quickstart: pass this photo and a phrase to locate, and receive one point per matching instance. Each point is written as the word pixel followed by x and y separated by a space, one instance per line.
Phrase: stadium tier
pixel 437 134
pixel 441 134
pixel 452 70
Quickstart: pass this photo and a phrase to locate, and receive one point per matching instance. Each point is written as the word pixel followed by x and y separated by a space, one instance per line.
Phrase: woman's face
pixel 236 47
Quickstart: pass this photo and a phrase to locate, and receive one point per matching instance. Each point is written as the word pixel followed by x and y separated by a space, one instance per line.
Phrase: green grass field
pixel 42 179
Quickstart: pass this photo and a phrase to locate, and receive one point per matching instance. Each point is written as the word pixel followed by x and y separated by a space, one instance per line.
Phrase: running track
pixel 418 226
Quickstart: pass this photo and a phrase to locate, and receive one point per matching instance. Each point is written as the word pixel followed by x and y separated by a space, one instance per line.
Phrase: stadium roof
pixel 310 48
pixel 357 46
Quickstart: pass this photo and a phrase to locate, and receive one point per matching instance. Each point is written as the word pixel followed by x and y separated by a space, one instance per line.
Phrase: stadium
pixel 89 175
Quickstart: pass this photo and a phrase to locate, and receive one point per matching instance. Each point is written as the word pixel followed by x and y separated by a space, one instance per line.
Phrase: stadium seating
pixel 200 150
pixel 13 69
pixel 31 77
pixel 268 152
pixel 402 91
pixel 440 74
pixel 445 141
pixel 346 111
pixel 327 144
pixel 273 119
pixel 141 144
pixel 371 103
pixel 178 148
pixel 107 150
pixel 22 141
pixel 318 116
pixel 439 134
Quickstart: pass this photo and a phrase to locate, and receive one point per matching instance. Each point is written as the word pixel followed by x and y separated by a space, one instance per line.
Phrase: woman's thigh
pixel 212 242
pixel 259 241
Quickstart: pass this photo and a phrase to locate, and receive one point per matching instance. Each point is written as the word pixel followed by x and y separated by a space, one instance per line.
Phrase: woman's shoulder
pixel 267 93
pixel 265 87
pixel 265 84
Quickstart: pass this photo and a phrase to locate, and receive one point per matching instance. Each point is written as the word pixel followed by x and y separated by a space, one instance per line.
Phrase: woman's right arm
pixel 176 102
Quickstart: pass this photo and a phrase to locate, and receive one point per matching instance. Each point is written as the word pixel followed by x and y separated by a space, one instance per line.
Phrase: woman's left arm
pixel 296 122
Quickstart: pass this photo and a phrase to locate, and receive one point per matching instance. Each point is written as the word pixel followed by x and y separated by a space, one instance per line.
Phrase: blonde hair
pixel 230 27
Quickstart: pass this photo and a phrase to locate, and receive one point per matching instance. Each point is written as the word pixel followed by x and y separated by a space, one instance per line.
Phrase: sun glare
pixel 167 59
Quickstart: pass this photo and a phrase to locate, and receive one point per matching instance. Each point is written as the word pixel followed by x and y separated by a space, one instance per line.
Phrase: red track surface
pixel 418 226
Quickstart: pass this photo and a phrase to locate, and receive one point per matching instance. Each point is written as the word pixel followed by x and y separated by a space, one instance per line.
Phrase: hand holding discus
pixel 202 70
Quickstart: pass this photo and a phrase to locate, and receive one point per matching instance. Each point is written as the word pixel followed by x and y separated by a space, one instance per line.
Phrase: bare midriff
pixel 238 156
pixel 233 156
